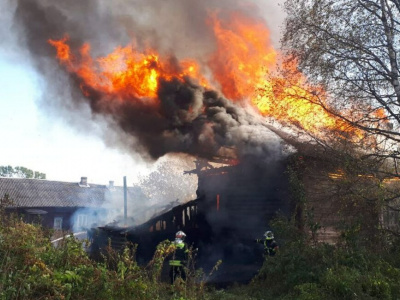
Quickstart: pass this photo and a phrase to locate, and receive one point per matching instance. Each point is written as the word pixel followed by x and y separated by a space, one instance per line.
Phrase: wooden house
pixel 234 205
pixel 68 206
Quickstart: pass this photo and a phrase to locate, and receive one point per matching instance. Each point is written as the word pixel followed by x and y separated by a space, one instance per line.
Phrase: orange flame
pixel 125 72
pixel 242 60
pixel 243 52
pixel 293 100
pixel 239 66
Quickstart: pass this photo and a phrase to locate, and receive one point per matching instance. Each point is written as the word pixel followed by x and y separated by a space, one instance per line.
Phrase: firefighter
pixel 270 245
pixel 179 257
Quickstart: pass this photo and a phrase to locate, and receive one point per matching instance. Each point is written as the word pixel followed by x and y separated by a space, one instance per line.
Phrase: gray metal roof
pixel 45 193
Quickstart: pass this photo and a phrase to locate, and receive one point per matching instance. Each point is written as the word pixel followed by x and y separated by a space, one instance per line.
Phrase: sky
pixel 38 141
pixel 41 143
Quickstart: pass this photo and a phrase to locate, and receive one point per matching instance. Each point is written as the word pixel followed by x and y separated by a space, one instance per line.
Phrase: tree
pixel 350 48
pixel 349 51
pixel 20 172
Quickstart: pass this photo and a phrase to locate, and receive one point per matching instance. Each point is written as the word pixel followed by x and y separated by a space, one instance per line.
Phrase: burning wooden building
pixel 234 205
pixel 156 101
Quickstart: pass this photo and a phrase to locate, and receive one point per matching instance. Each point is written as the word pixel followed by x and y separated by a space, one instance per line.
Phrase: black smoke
pixel 189 118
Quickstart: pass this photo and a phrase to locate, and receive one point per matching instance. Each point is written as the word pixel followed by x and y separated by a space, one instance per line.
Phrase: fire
pixel 125 73
pixel 243 53
pixel 243 57
pixel 239 66
pixel 63 50
pixel 296 102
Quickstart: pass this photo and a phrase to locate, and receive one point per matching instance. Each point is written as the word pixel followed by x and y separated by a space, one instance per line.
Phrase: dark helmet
pixel 269 235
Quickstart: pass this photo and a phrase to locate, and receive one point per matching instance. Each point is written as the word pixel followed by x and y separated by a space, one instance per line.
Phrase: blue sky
pixel 31 139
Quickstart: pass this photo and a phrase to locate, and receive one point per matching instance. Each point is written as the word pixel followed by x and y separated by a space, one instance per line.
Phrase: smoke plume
pixel 189 118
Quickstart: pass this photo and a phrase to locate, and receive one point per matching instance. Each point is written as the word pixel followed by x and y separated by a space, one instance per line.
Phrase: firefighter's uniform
pixel 270 245
pixel 179 258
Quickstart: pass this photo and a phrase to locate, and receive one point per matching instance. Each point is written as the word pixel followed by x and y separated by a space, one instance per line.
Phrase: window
pixel 82 221
pixel 58 223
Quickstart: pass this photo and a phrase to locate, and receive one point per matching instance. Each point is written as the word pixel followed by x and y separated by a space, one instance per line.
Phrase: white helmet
pixel 269 235
pixel 180 235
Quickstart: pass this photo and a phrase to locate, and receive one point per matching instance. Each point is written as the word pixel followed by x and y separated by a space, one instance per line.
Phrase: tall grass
pixel 32 268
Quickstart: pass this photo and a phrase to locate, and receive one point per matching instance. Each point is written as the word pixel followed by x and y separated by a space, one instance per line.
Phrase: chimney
pixel 111 185
pixel 83 182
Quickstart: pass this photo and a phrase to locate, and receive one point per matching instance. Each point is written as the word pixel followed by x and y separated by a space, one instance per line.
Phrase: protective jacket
pixel 179 257
pixel 270 246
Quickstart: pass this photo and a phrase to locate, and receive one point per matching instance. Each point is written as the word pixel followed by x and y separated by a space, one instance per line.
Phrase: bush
pixel 32 268
pixel 303 269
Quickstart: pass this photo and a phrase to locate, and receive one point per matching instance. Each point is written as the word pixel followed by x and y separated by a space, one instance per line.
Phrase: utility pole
pixel 125 203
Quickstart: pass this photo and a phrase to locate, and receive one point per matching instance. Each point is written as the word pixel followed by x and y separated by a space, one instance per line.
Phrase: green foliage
pixel 5 201
pixel 163 250
pixel 305 270
pixel 32 268
pixel 20 172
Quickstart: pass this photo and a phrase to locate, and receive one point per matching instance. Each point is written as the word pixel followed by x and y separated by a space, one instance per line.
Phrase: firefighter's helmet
pixel 180 235
pixel 269 235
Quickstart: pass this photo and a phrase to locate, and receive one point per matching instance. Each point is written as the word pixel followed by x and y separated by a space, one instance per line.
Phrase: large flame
pixel 292 99
pixel 125 73
pixel 239 66
pixel 242 56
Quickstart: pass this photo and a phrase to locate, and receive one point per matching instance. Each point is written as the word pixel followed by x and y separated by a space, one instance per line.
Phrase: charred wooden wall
pixel 340 198
pixel 243 199
pixel 233 207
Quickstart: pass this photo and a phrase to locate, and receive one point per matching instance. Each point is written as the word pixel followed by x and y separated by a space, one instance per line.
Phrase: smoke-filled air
pixel 166 77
